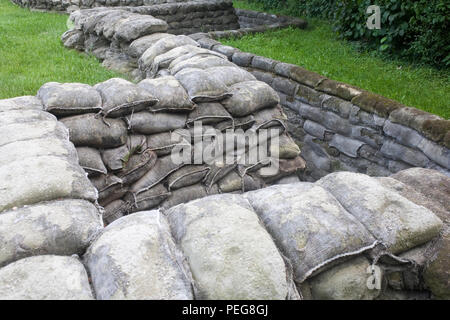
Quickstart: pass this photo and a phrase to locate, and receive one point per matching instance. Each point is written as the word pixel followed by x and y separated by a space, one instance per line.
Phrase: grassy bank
pixel 31 53
pixel 318 50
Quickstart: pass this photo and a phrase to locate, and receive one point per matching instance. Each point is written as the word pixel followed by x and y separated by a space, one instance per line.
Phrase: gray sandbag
pixel 113 19
pixel 149 123
pixel 199 53
pixel 121 97
pixel 346 281
pixel 309 226
pixel 109 187
pixel 73 39
pixel 20 150
pixel 170 94
pixel 284 148
pixel 147 265
pixel 114 210
pixel 394 220
pixel 46 277
pixel 62 227
pixel 45 178
pixel 147 200
pixel 63 99
pixel 201 61
pixel 21 116
pixel 250 96
pixel 91 160
pixel 21 103
pixel 201 86
pixel 285 168
pixel 230 74
pixel 270 117
pixel 235 182
pixel 136 166
pixel 164 166
pixel 208 113
pixel 101 20
pixel 137 26
pixel 114 158
pixel 217 171
pixel 32 130
pixel 223 233
pixel 163 143
pixel 184 195
pixel 140 45
pixel 91 131
pixel 186 176
pixel 243 123
pixel 162 46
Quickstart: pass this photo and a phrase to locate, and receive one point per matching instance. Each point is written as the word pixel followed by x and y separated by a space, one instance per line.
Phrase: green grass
pixel 32 54
pixel 317 49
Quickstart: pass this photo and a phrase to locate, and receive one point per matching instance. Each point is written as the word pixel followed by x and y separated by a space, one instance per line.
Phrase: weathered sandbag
pixel 73 39
pixel 199 53
pixel 250 96
pixel 101 20
pixel 270 117
pixel 346 281
pixel 91 160
pixel 149 123
pixel 285 148
pixel 201 86
pixel 63 99
pixel 140 45
pixel 164 166
pixel 394 220
pixel 163 143
pixel 135 257
pixel 21 103
pixel 114 158
pixel 162 46
pixel 121 97
pixel 243 123
pixel 230 75
pixel 137 26
pixel 20 116
pixel 93 19
pixel 112 21
pixel 20 150
pixel 170 94
pixel 136 166
pixel 115 210
pixel 45 278
pixel 217 171
pixel 285 168
pixel 186 176
pixel 309 225
pixel 201 61
pixel 110 188
pixel 32 130
pixel 148 199
pixel 185 195
pixel 89 130
pixel 208 113
pixel 45 178
pixel 234 182
pixel 223 233
pixel 63 227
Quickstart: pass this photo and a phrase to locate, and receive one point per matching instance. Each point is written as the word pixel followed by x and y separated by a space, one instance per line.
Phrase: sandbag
pixel 397 222
pixel 63 99
pixel 199 53
pixel 163 143
pixel 201 86
pixel 114 158
pixel 243 123
pixel 137 26
pixel 223 233
pixel 146 266
pixel 20 150
pixel 250 96
pixel 114 210
pixel 32 130
pixel 72 222
pixel 104 21
pixel 230 74
pixel 91 160
pixel 47 277
pixel 148 123
pixel 185 195
pixel 270 117
pixel 234 182
pixel 136 166
pixel 89 130
pixel 109 187
pixel 162 46
pixel 208 113
pixel 309 225
pixel 45 178
pixel 121 97
pixel 285 148
pixel 21 103
pixel 186 176
pixel 164 166
pixel 112 21
pixel 21 116
pixel 169 92
pixel 148 199
pixel 140 45
pixel 285 168
pixel 201 61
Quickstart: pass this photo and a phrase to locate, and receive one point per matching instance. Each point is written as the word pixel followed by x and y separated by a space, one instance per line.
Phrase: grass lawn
pixel 31 53
pixel 318 49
